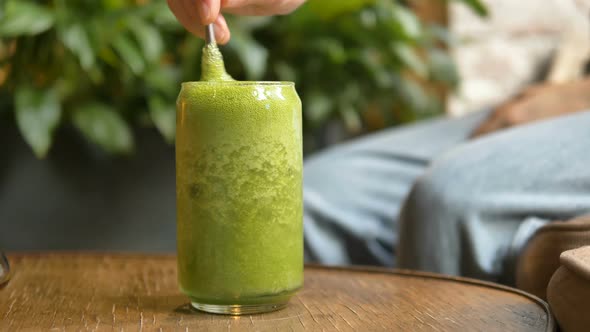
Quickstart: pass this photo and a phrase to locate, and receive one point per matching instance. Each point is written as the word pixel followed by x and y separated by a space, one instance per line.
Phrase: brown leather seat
pixel 540 257
pixel 569 291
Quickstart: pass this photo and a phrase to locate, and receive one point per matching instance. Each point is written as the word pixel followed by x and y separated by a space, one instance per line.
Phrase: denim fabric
pixel 426 197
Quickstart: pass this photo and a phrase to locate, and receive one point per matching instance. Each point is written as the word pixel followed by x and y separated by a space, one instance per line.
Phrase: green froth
pixel 212 66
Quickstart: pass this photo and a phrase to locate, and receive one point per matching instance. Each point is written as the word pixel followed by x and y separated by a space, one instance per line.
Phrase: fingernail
pixel 204 11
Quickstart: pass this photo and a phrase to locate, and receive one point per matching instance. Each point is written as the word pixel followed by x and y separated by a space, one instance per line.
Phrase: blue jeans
pixel 426 197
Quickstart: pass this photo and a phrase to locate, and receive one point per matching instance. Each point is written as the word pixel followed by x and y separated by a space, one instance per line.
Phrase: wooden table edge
pixel 358 268
pixel 430 275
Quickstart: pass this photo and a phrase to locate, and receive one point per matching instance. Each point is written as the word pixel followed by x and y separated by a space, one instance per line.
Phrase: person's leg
pixel 473 208
pixel 353 192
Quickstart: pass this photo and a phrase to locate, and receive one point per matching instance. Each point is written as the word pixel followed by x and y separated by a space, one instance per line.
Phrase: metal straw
pixel 210 34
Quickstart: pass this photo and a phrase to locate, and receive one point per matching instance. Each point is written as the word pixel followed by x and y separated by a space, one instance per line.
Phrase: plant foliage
pixel 103 66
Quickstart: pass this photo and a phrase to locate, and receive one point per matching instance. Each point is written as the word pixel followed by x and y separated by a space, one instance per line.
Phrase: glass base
pixel 238 309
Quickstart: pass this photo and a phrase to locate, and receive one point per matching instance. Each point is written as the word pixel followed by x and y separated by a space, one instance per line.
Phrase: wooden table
pixel 117 292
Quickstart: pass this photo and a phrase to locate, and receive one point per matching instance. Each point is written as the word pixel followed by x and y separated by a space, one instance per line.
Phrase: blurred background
pixel 88 89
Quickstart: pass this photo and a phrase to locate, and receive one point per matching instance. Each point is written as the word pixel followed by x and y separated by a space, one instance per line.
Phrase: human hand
pixel 195 14
pixel 537 103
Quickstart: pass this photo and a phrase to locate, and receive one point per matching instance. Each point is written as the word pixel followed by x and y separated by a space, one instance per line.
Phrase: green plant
pixel 101 65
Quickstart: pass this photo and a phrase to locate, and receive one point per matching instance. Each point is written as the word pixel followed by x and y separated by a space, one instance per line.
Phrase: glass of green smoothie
pixel 239 193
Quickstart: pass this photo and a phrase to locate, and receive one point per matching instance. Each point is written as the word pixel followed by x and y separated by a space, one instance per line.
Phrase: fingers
pixel 489 125
pixel 260 7
pixel 505 116
pixel 494 122
pixel 222 34
pixel 537 103
pixel 195 14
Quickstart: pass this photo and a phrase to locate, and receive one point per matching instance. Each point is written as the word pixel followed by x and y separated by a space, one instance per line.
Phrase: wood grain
pixel 123 292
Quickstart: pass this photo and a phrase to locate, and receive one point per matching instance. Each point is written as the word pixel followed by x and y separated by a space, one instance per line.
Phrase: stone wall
pixel 499 55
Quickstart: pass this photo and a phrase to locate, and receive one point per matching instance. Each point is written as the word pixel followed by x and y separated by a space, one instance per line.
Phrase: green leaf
pixel 37 115
pixel 368 19
pixel 442 67
pixel 164 79
pixel 328 9
pixel 112 5
pixel 129 53
pixel 317 107
pixel 249 23
pixel 285 72
pixel 441 33
pixel 351 118
pixel 148 37
pixel 103 126
pixel 25 18
pixel 190 56
pixel 408 56
pixel 252 55
pixel 406 22
pixel 371 60
pixel 477 6
pixel 332 48
pixel 75 38
pixel 163 115
pixel 162 16
pixel 413 95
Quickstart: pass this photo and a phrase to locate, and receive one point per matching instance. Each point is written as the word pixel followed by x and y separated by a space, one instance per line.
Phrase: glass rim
pixel 240 83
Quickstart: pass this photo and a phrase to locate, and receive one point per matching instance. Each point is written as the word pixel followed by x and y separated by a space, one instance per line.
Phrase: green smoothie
pixel 212 67
pixel 239 194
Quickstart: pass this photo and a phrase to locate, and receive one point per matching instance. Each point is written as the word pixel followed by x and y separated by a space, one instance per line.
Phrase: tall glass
pixel 239 195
